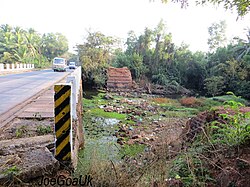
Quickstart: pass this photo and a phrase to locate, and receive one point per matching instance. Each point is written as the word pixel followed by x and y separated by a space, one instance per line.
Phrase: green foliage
pixel 95 56
pixel 214 85
pixel 54 44
pixel 242 6
pixel 28 46
pixel 227 98
pixel 101 113
pixel 217 35
pixel 20 131
pixel 132 150
pixel 236 129
pixel 190 169
pixel 243 47
pixel 41 130
pixel 152 57
pixel 14 170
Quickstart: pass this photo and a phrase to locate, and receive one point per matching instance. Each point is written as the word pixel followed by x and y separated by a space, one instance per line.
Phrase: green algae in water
pixel 100 144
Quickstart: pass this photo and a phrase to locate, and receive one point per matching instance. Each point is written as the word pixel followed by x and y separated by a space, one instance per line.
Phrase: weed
pixel 132 150
pixel 230 97
pixel 236 130
pixel 12 171
pixel 208 103
pixel 21 131
pixel 41 130
pixel 11 174
pixel 190 169
pixel 37 116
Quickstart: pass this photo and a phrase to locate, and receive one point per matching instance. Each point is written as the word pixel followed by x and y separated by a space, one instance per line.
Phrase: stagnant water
pixel 100 139
pixel 100 142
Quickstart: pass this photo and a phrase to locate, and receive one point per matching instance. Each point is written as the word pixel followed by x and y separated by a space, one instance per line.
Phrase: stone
pixel 136 136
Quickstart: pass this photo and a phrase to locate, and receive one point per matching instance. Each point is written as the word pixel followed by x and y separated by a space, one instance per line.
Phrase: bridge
pixel 33 126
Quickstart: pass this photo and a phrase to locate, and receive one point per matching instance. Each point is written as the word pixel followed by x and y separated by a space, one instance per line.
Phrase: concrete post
pixel 72 80
pixel 24 66
pixel 13 66
pixel 7 66
pixel 32 66
pixel 1 67
pixel 17 66
pixel 21 66
pixel 28 66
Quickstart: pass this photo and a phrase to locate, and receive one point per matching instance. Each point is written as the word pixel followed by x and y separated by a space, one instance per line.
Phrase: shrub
pixel 236 130
pixel 191 102
pixel 161 100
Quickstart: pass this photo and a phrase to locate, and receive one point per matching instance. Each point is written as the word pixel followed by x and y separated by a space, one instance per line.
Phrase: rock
pixel 120 141
pixel 174 182
pixel 109 109
pixel 130 142
pixel 34 163
pixel 136 136
pixel 123 135
pixel 122 129
pixel 108 97
pixel 131 128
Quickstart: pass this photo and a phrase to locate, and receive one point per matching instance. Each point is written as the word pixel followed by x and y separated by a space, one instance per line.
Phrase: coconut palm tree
pixel 243 48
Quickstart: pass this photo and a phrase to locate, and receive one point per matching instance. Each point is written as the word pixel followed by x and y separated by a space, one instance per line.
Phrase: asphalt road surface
pixel 16 88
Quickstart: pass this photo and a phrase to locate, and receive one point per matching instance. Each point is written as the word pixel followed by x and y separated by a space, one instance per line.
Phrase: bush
pixel 191 102
pixel 161 100
pixel 236 130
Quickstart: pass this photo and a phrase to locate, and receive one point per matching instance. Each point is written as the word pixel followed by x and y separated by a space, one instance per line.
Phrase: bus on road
pixel 59 64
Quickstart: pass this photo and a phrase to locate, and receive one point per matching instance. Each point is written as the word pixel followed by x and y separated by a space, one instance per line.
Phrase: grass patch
pixel 41 130
pixel 132 150
pixel 88 103
pixel 192 111
pixel 98 112
pixel 224 98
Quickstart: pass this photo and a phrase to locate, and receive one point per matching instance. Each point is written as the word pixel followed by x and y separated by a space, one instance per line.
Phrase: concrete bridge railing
pixel 16 66
pixel 75 79
pixel 68 118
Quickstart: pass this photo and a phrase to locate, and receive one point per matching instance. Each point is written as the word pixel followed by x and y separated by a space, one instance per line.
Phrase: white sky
pixel 117 17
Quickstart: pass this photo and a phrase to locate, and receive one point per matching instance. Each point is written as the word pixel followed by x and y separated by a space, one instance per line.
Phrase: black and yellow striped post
pixel 63 122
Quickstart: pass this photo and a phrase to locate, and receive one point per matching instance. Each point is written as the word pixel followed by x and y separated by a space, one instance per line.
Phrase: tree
pixel 27 46
pixel 214 85
pixel 95 55
pixel 242 6
pixel 53 44
pixel 217 35
pixel 243 47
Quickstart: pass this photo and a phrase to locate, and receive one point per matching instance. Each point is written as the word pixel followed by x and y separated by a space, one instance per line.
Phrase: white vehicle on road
pixel 72 65
pixel 59 64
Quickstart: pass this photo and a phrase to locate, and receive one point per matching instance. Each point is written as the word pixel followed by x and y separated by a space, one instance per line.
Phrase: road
pixel 16 88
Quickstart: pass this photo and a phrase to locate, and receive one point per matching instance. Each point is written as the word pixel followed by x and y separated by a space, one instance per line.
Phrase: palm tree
pixel 243 48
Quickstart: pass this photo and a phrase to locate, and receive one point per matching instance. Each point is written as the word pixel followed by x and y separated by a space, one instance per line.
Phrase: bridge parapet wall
pixel 76 127
pixel 15 66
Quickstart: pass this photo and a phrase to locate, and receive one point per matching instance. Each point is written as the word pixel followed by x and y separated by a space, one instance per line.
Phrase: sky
pixel 116 18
